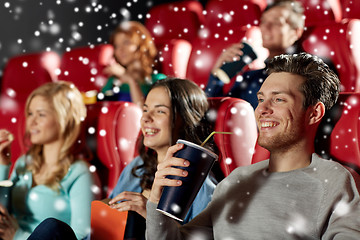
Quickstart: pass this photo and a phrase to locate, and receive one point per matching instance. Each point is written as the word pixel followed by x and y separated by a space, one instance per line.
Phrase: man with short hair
pixel 281 26
pixel 294 194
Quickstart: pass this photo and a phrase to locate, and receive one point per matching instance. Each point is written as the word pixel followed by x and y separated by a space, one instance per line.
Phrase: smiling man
pixel 293 195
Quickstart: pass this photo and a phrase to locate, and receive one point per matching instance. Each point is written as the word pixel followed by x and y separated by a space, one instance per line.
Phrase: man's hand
pixel 231 54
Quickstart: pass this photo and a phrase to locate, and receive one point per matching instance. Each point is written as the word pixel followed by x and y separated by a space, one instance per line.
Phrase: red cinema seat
pixel 176 20
pixel 338 134
pixel 117 131
pixel 261 3
pixel 340 43
pixel 260 154
pixel 350 9
pixel 228 17
pixel 24 73
pixel 173 27
pixel 236 116
pixel 321 11
pixel 84 66
pixel 173 57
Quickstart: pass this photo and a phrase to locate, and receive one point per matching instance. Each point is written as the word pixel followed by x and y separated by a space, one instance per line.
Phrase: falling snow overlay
pixel 59 26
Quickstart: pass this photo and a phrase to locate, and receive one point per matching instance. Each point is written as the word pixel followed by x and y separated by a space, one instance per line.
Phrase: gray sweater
pixel 320 201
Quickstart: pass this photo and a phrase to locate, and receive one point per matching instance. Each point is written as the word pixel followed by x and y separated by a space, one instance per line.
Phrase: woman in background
pixel 51 179
pixel 131 72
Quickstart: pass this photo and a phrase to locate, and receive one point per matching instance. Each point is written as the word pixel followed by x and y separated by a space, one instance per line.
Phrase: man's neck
pixel 288 160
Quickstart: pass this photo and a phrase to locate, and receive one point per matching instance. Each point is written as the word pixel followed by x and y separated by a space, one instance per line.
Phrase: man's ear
pixel 316 113
pixel 299 32
pixel 296 34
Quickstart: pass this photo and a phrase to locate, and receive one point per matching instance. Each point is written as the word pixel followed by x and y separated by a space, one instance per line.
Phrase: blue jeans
pixel 52 229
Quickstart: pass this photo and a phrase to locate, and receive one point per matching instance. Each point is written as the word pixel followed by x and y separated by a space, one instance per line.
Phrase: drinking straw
pixel 211 134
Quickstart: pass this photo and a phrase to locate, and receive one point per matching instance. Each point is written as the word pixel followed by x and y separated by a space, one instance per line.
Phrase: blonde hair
pixel 70 110
pixel 140 36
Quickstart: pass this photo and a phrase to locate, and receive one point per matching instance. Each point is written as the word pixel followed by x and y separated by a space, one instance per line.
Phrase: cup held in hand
pixel 5 193
pixel 176 201
pixel 230 69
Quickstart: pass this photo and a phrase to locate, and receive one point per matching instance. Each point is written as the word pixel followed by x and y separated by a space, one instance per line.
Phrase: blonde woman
pixel 131 72
pixel 51 179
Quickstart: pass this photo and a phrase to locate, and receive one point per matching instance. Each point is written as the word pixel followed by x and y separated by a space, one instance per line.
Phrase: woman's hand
pixel 114 69
pixel 6 139
pixel 165 168
pixel 129 201
pixel 231 54
pixel 8 224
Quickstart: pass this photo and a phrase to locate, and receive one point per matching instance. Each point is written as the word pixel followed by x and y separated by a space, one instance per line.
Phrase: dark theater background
pixel 28 26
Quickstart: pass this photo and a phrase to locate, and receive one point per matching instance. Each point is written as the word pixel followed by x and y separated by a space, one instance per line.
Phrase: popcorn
pixel 11 137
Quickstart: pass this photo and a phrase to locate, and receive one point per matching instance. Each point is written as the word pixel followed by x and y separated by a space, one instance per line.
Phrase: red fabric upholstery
pixel 340 43
pixel 116 136
pixel 350 9
pixel 321 11
pixel 260 154
pixel 236 116
pixel 174 56
pixel 84 65
pixel 22 74
pixel 225 15
pixel 261 3
pixel 174 26
pixel 338 134
pixel 177 20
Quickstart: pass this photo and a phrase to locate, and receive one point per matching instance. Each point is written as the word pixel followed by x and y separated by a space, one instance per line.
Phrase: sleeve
pixel 81 197
pixel 344 222
pixel 158 76
pixel 119 188
pixel 21 234
pixel 4 171
pixel 161 227
pixel 108 86
pixel 19 166
pixel 214 87
pixel 127 181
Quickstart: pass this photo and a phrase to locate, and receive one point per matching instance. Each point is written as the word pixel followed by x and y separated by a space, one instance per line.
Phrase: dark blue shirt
pixel 245 89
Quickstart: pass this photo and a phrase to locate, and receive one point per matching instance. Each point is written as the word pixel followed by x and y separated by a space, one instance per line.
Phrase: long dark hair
pixel 189 106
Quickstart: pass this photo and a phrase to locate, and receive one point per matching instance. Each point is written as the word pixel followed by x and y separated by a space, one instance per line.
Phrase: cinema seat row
pixel 188 49
pixel 332 31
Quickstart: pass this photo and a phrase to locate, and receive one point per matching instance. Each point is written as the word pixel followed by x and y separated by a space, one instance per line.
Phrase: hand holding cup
pixel 6 139
pixel 166 168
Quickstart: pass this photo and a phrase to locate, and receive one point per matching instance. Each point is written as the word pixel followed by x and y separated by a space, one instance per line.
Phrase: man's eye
pixel 260 100
pixel 279 100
